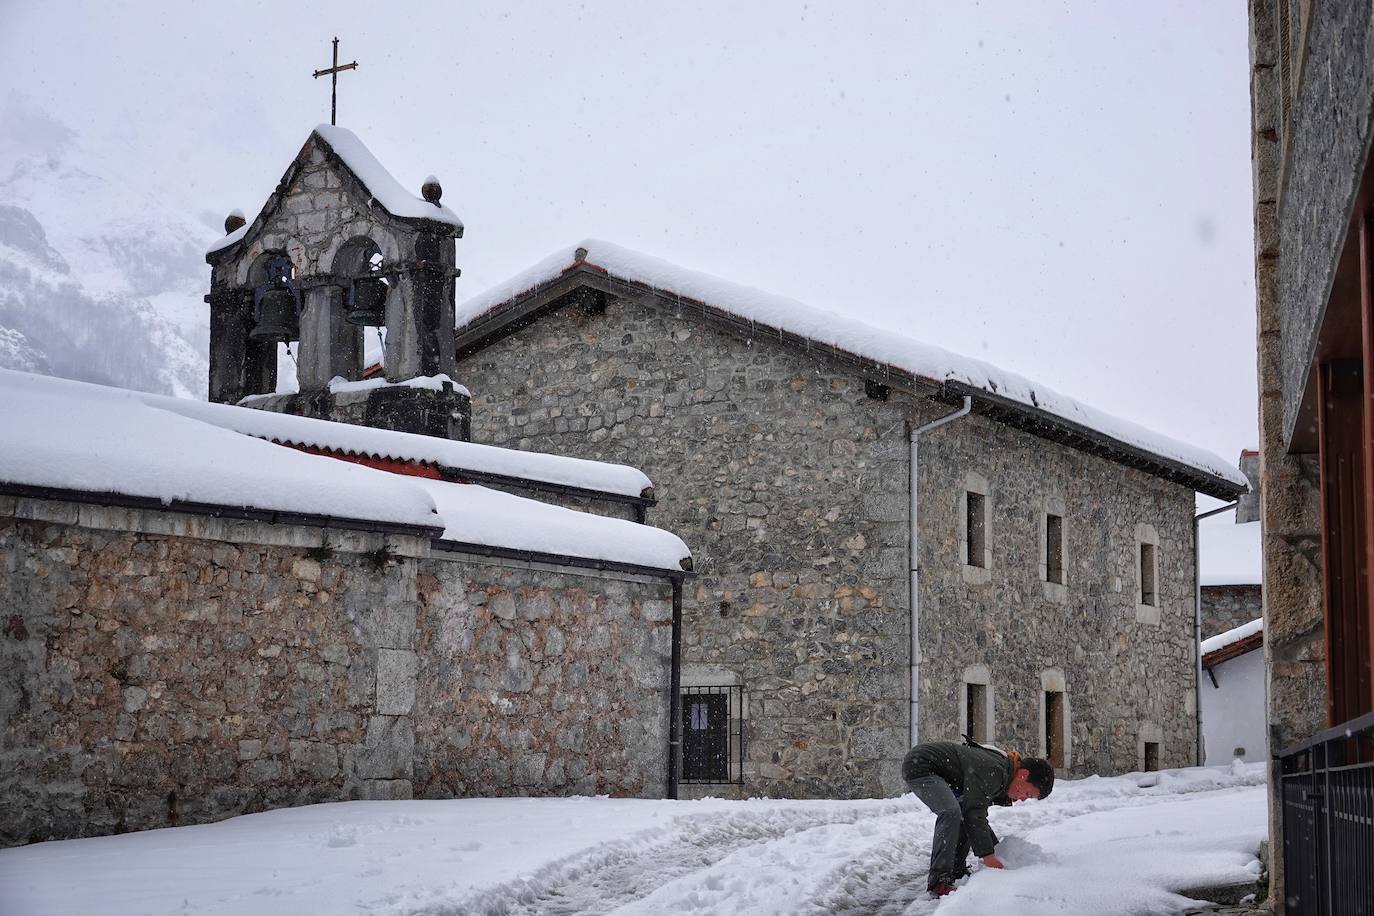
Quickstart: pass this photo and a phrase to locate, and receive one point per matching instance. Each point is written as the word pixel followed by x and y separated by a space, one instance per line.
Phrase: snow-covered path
pixel 1097 846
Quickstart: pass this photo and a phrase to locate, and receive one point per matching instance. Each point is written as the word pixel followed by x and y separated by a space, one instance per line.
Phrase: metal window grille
pixel 1326 785
pixel 712 734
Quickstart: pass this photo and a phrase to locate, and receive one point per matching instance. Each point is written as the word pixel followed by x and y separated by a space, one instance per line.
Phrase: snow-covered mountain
pixel 100 279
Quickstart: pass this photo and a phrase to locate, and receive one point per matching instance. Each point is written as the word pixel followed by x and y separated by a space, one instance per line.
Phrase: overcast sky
pixel 1062 189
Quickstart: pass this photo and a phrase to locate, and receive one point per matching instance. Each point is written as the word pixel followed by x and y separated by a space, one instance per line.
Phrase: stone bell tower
pixel 339 251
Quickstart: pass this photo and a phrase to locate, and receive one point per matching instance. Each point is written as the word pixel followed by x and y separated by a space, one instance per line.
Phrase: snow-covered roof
pixel 1232 636
pixel 457 457
pixel 380 183
pixel 921 360
pixel 479 515
pixel 1228 554
pixel 375 178
pixel 73 438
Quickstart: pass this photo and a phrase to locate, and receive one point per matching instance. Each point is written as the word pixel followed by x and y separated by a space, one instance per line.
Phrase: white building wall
pixel 1233 711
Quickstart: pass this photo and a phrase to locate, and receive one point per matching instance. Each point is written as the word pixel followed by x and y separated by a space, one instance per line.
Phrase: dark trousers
pixel 949 849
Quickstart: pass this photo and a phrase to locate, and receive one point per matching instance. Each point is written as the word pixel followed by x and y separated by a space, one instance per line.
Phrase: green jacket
pixel 979 776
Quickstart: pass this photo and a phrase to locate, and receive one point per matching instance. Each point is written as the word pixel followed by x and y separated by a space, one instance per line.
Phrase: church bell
pixel 368 305
pixel 277 320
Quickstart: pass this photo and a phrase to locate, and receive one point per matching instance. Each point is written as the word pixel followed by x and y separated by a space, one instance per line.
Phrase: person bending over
pixel 958 782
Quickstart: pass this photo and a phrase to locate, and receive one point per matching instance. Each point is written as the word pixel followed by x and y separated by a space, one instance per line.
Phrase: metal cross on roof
pixel 333 73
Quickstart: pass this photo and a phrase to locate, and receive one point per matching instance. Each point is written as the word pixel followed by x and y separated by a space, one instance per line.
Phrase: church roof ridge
pixel 1000 390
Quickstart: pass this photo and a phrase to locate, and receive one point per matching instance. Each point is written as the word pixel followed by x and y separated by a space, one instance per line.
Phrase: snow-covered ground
pixel 1122 845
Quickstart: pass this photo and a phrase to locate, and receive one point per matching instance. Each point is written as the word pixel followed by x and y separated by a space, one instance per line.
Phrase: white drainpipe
pixel 915 563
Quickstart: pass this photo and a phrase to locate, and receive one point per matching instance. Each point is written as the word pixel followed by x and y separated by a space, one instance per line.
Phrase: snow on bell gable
pixel 339 251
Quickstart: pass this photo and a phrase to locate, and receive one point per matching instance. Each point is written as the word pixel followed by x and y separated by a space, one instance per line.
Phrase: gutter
pixel 1197 625
pixel 674 700
pixel 914 540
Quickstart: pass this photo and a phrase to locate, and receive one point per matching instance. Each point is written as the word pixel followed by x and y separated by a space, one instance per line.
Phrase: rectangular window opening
pixel 976 712
pixel 977 533
pixel 712 734
pixel 1148 592
pixel 1151 756
pixel 1054 728
pixel 1054 549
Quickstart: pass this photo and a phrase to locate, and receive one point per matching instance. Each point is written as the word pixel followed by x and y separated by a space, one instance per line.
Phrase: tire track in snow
pixel 601 880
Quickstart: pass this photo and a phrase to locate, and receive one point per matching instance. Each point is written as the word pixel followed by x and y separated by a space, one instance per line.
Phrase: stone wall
pixel 782 480
pixel 160 669
pixel 532 682
pixel 1225 607
pixel 790 485
pixel 1294 646
pixel 1125 669
pixel 1326 140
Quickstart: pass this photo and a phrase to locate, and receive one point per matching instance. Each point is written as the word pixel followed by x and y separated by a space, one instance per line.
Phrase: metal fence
pixel 1327 792
pixel 712 734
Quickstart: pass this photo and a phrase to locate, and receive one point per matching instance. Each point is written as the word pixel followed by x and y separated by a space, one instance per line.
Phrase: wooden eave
pixel 1233 650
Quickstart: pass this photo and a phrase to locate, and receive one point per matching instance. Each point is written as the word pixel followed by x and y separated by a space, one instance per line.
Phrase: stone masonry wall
pixel 1294 638
pixel 151 680
pixel 781 479
pixel 536 682
pixel 1126 671
pixel 790 485
pixel 1225 607
pixel 160 669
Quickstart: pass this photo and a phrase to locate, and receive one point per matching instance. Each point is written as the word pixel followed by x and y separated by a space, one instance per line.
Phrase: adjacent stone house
pixel 1052 604
pixel 1312 126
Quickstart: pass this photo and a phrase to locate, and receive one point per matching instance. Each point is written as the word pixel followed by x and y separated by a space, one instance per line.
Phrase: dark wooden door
pixel 706 737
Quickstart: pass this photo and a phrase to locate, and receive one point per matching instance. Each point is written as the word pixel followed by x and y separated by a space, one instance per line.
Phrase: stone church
pixel 435 577
pixel 892 542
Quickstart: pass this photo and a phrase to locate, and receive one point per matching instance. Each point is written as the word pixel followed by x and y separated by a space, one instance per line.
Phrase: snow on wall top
pixel 340 385
pixel 475 514
pixel 904 353
pixel 1222 640
pixel 379 182
pixel 77 436
pixel 1228 554
pixel 617 479
pixel 229 239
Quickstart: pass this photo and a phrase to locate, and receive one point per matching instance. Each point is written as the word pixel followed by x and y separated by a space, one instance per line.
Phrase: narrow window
pixel 1151 756
pixel 977 532
pixel 976 712
pixel 706 737
pixel 1054 728
pixel 1147 575
pixel 1054 549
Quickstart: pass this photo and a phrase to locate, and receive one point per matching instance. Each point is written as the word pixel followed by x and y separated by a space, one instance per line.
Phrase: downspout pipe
pixel 915 542
pixel 674 689
pixel 1197 622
